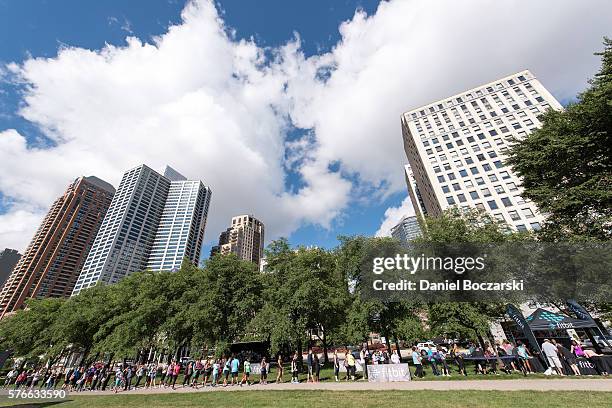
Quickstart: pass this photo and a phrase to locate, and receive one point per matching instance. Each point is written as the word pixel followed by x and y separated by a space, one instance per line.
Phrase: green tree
pixel 458 226
pixel 29 333
pixel 566 165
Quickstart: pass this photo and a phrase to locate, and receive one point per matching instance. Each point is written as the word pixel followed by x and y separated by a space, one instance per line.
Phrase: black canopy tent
pixel 544 320
pixel 545 324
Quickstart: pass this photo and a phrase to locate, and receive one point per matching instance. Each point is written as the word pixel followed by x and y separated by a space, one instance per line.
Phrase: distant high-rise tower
pixel 51 264
pixel 245 238
pixel 406 230
pixel 153 222
pixel 8 260
pixel 456 149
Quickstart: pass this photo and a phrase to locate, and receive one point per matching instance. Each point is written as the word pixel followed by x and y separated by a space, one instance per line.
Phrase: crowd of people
pixel 234 370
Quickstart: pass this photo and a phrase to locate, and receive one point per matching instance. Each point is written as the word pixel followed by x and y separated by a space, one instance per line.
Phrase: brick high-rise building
pixel 51 264
pixel 245 238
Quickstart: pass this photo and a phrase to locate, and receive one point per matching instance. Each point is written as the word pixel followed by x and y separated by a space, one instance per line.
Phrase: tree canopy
pixel 566 164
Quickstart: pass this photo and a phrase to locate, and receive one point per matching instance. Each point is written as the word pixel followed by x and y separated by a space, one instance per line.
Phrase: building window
pixel 514 216
pixel 456 186
pixel 461 198
pixel 485 192
pixel 450 200
pixel 521 227
pixel 506 202
pixel 528 213
pixel 474 195
pixel 445 189
pixel 492 204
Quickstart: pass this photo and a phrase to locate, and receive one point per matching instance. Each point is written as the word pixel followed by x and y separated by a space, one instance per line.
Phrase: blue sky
pixel 37 28
pixel 310 127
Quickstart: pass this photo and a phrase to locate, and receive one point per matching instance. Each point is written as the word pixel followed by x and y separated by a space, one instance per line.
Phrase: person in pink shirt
pixel 175 374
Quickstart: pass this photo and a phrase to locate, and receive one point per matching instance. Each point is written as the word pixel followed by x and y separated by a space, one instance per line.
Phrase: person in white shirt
pixel 395 358
pixel 551 353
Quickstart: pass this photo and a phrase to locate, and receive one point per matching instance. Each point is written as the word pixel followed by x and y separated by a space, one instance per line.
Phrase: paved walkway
pixel 556 384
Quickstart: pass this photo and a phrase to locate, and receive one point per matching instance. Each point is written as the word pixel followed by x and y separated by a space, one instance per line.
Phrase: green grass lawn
pixel 339 399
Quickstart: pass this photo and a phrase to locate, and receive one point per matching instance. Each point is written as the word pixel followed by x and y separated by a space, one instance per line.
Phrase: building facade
pixel 181 229
pixel 456 149
pixel 8 261
pixel 406 230
pixel 51 264
pixel 245 238
pixel 148 226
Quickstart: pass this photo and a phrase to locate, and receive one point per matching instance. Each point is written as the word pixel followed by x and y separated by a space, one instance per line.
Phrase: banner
pixel 388 372
pixel 583 314
pixel 518 318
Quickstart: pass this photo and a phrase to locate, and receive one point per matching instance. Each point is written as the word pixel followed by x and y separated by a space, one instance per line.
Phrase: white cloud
pixel 17 224
pixel 218 109
pixel 393 215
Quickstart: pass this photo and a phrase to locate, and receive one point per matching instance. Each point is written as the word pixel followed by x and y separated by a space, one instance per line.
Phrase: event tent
pixel 544 320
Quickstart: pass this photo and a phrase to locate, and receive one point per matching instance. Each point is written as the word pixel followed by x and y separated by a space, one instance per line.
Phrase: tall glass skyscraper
pixel 406 230
pixel 154 221
pixel 181 230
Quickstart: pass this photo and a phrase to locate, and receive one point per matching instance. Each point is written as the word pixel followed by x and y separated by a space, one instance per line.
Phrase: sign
pixel 388 372
pixel 585 367
pixel 522 324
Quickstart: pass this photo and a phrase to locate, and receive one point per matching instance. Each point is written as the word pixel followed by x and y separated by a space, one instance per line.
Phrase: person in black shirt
pixel 569 358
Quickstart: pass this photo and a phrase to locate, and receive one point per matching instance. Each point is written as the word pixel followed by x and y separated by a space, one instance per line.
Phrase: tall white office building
pixel 153 222
pixel 456 149
pixel 181 229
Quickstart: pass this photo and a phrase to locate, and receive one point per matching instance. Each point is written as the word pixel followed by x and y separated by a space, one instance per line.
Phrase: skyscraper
pixel 245 238
pixel 456 149
pixel 52 262
pixel 153 222
pixel 406 230
pixel 181 228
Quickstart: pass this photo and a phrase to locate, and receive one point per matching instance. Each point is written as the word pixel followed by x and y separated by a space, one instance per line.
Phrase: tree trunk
pixel 299 351
pixel 481 341
pixel 397 347
pixel 325 358
pixel 85 353
pixel 388 343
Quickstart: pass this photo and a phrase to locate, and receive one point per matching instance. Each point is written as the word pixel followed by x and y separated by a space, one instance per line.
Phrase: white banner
pixel 388 372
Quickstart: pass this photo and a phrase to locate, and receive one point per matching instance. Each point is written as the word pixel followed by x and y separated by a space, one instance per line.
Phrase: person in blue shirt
pixel 235 365
pixel 431 357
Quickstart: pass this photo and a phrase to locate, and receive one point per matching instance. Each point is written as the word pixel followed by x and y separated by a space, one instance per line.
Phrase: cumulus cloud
pixel 393 215
pixel 219 109
pixel 15 225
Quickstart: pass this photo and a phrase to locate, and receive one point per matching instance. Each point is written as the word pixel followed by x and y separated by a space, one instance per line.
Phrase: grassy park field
pixel 338 399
